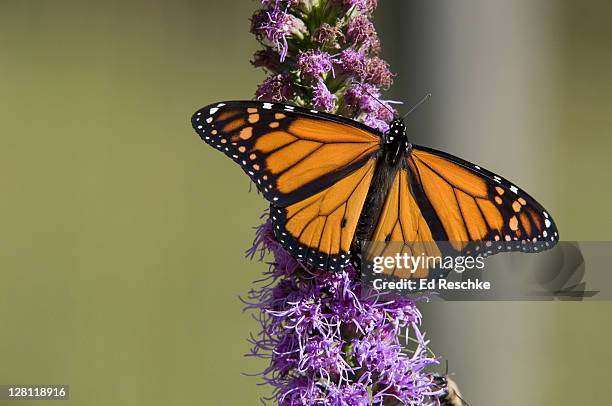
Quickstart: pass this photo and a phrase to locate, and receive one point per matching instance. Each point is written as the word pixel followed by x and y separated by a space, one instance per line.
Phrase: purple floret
pixel 277 88
pixel 323 99
pixel 314 63
pixel 361 33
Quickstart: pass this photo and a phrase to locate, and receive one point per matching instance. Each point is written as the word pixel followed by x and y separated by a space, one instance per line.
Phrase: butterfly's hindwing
pixel 319 230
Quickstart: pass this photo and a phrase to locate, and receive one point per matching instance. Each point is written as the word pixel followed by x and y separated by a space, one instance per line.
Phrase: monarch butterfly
pixel 333 183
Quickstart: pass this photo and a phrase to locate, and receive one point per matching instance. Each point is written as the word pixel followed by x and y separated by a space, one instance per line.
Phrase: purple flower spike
pixel 330 343
pixel 328 339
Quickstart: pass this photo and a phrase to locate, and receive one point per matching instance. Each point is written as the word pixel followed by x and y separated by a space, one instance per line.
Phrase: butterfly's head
pixel 396 140
pixel 397 127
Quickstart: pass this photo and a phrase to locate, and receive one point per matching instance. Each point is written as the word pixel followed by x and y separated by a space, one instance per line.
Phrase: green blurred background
pixel 122 251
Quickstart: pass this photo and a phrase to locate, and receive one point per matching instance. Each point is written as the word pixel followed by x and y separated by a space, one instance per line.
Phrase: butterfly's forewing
pixel 476 210
pixel 290 153
pixel 314 168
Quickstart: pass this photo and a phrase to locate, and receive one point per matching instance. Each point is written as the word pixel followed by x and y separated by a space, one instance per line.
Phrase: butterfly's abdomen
pixel 395 148
pixel 383 178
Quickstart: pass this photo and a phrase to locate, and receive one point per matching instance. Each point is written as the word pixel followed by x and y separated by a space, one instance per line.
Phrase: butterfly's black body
pixel 300 158
pixel 395 147
pixel 395 141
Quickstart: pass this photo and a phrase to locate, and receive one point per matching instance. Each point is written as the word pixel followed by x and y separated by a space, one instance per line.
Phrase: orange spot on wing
pixel 526 223
pixel 245 133
pixel 536 219
pixel 513 223
pixel 232 125
pixel 227 115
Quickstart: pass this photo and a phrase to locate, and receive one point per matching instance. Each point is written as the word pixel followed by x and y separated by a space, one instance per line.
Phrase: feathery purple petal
pixel 322 98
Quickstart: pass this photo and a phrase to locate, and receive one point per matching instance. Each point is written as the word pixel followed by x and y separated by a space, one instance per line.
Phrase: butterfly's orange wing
pixel 475 210
pixel 441 205
pixel 320 228
pixel 314 168
pixel 402 229
pixel 290 153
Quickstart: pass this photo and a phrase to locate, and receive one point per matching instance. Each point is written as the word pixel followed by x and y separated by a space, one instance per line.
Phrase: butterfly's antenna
pixel 423 100
pixel 379 102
